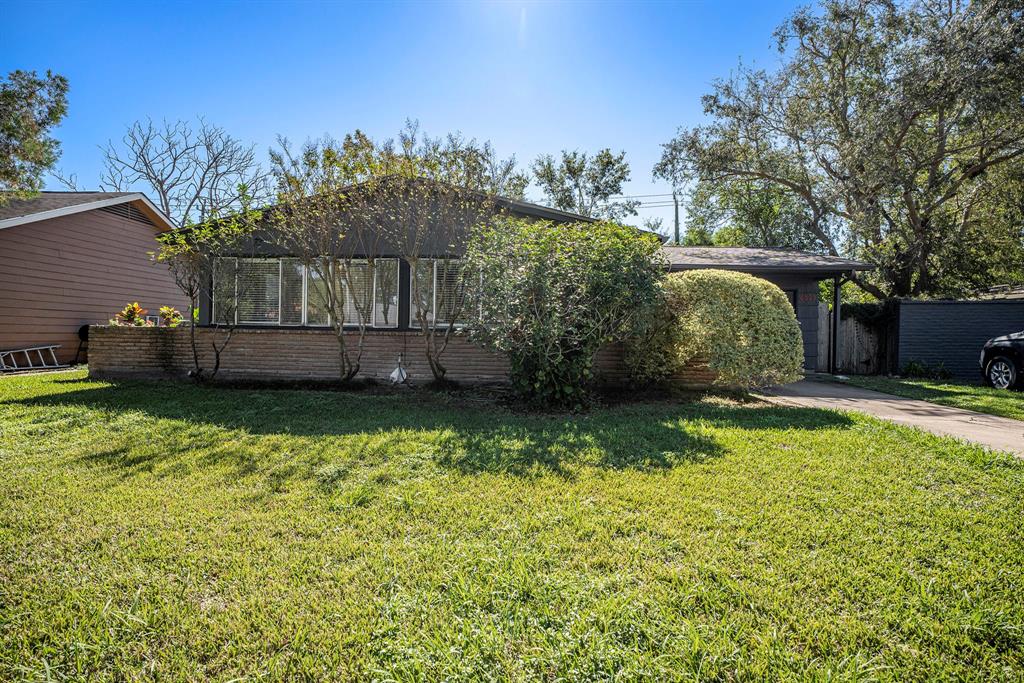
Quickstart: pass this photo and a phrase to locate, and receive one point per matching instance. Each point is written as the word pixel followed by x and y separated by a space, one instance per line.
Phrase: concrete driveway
pixel 997 433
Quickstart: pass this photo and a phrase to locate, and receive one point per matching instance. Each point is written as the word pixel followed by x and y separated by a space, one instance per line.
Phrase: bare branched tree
pixel 204 180
pixel 194 257
pixel 193 173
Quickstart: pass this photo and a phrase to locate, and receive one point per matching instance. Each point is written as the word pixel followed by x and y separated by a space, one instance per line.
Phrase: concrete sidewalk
pixel 997 433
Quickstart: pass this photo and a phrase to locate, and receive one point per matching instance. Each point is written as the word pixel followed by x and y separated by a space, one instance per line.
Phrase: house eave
pixel 147 207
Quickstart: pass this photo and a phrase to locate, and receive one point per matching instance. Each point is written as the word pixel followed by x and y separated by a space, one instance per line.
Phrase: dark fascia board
pixel 543 212
pixel 810 271
pixel 959 302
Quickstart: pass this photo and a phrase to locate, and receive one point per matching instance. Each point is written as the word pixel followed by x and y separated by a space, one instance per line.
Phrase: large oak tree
pixel 890 123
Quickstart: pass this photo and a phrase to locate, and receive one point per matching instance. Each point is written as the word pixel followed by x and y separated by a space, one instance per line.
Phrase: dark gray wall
pixel 953 332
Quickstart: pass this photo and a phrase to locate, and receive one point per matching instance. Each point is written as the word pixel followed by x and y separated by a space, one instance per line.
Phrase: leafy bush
pixel 170 316
pixel 742 325
pixel 652 352
pixel 132 315
pixel 550 295
pixel 921 370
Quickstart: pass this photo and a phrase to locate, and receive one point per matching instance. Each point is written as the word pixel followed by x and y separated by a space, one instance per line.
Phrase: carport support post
pixel 833 351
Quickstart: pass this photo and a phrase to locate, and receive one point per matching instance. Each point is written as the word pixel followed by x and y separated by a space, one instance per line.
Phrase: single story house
pixel 280 332
pixel 69 259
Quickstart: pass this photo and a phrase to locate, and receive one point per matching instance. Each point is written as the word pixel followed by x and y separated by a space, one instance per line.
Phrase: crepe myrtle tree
pixel 425 195
pixel 317 219
pixel 341 205
pixel 192 254
pixel 551 295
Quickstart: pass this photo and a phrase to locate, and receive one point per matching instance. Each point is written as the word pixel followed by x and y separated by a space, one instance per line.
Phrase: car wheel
pixel 1001 373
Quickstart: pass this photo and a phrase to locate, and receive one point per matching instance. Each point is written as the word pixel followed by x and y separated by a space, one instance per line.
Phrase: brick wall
pixel 288 355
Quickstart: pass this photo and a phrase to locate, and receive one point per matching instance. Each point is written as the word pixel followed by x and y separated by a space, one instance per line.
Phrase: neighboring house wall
pixel 275 354
pixel 61 273
pixel 953 332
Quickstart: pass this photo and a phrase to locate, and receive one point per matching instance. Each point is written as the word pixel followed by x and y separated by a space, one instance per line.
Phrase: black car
pixel 1002 360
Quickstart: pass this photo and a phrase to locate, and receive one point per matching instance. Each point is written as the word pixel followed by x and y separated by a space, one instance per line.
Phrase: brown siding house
pixel 69 259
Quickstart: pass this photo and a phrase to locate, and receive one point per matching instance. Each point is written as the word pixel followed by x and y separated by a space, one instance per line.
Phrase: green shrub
pixel 920 370
pixel 551 295
pixel 652 353
pixel 742 325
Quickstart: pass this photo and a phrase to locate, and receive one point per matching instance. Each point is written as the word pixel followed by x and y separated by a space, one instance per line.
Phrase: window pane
pixel 258 291
pixel 450 296
pixel 386 297
pixel 291 291
pixel 358 288
pixel 223 291
pixel 421 291
pixel 316 299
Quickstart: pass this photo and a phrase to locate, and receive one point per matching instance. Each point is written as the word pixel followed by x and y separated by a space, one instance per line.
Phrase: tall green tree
pixel 888 121
pixel 586 184
pixel 30 106
pixel 746 213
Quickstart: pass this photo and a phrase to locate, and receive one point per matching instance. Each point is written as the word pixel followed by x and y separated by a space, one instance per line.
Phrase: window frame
pixel 432 318
pixel 280 260
pixel 260 259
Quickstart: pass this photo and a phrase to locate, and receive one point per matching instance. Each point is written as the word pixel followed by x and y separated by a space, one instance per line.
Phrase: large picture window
pixel 283 291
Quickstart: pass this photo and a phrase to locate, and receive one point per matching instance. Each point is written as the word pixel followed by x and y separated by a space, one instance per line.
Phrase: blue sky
pixel 532 77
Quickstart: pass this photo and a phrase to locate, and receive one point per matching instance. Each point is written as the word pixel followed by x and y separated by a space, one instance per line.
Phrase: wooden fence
pixel 859 345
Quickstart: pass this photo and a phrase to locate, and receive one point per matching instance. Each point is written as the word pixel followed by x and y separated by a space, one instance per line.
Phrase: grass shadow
pixel 466 438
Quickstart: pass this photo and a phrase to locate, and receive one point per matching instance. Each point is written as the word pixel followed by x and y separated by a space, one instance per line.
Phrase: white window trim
pixel 306 270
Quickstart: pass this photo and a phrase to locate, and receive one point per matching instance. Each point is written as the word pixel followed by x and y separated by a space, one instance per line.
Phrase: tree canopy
pixel 586 184
pixel 890 123
pixel 746 213
pixel 30 106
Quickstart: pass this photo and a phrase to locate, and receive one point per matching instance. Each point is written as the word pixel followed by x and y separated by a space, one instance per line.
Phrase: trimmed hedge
pixel 742 325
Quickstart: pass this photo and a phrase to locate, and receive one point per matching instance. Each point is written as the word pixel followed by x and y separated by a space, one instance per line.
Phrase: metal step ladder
pixel 9 359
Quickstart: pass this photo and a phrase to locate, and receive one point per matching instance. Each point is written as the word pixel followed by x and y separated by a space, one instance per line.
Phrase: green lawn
pixel 957 394
pixel 159 530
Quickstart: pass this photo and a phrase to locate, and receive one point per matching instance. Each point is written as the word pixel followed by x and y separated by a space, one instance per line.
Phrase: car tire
pixel 1001 373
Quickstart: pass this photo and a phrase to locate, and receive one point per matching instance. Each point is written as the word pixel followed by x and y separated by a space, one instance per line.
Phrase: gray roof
pixel 543 212
pixel 52 204
pixel 50 201
pixel 758 259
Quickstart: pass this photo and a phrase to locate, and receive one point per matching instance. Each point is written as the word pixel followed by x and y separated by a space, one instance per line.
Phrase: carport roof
pixel 759 259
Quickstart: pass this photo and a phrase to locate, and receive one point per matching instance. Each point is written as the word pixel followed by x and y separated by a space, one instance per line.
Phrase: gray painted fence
pixel 953 332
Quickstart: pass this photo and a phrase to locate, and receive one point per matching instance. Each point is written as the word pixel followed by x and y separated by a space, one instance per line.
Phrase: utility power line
pixel 639 196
